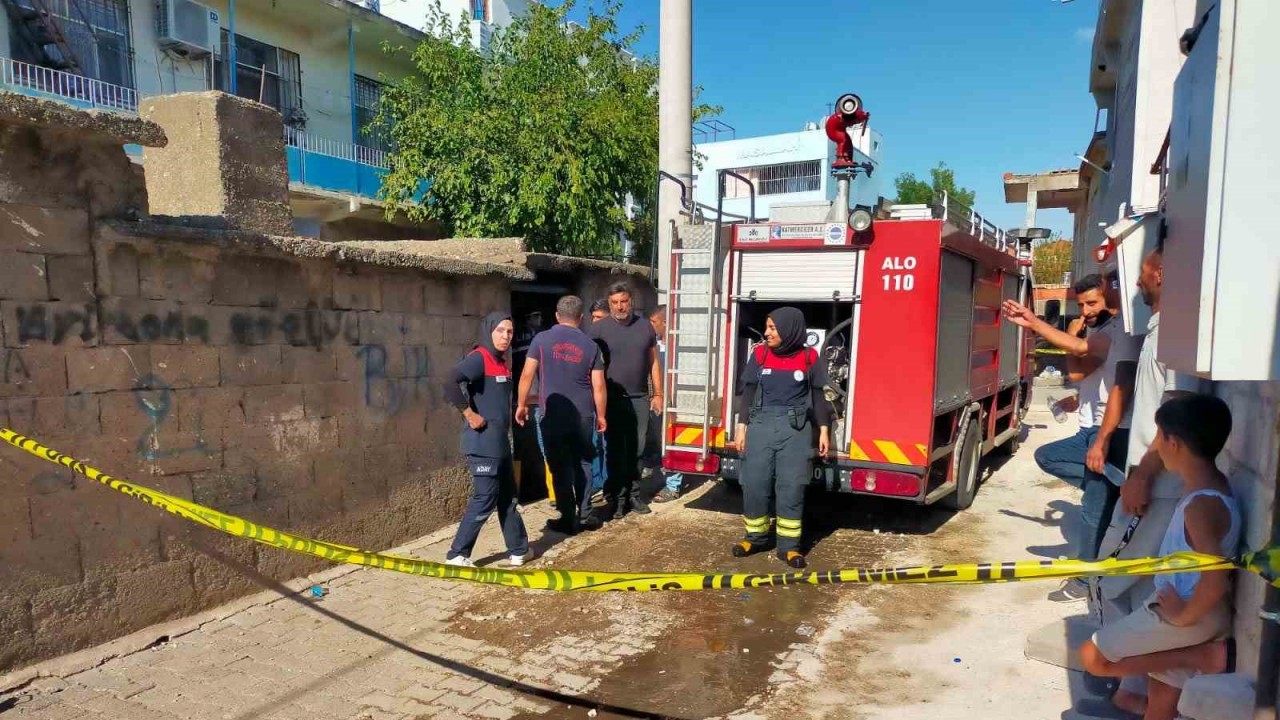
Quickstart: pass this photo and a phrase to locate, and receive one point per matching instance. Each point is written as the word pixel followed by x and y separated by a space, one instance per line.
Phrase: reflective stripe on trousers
pixel 775 473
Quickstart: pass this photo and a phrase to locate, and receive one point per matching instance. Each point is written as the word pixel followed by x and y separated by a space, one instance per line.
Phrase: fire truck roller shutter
pixel 799 276
pixel 955 331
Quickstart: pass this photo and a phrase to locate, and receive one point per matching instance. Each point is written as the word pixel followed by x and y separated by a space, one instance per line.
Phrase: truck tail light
pixel 691 462
pixel 885 482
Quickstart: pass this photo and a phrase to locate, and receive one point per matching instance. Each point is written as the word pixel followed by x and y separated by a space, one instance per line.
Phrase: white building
pixel 784 168
pixel 484 16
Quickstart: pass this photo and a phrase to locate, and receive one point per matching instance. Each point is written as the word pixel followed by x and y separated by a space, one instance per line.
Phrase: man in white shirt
pixel 1150 492
pixel 1092 362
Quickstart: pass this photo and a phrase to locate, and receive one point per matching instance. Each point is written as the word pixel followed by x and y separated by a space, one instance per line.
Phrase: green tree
pixel 542 136
pixel 914 191
pixel 1051 260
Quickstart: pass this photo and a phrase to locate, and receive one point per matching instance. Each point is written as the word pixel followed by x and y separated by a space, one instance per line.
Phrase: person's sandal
pixel 666 496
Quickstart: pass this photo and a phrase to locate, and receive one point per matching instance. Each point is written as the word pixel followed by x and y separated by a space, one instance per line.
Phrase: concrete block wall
pixel 1251 461
pixel 301 393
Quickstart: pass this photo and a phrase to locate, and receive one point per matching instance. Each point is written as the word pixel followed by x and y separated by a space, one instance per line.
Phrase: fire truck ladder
pixel 696 318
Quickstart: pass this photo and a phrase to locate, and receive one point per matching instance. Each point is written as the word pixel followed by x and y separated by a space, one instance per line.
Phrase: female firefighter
pixel 779 400
pixel 480 387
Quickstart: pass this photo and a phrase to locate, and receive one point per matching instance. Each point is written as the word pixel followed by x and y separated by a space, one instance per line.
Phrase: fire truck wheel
pixel 731 484
pixel 969 455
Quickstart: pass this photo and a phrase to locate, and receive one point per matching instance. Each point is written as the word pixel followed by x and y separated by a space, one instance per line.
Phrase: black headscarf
pixel 791 331
pixel 487 326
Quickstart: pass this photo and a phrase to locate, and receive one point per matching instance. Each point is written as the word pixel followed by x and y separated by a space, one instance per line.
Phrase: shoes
pixel 1073 590
pixel 743 548
pixel 666 495
pixel 518 560
pixel 640 507
pixel 564 526
pixel 459 561
pixel 793 559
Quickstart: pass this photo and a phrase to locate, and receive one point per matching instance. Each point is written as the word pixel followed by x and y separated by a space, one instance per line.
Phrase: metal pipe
pixel 654 254
pixel 231 46
pixel 751 188
pixel 675 113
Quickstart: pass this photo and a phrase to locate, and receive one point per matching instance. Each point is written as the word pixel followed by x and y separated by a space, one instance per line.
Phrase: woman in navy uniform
pixel 480 387
pixel 780 399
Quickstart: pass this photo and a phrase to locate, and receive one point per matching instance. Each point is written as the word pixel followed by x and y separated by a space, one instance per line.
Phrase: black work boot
pixel 639 506
pixel 793 558
pixel 743 548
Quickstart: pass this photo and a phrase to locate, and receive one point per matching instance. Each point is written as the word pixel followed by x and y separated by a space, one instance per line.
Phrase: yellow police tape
pixel 1265 562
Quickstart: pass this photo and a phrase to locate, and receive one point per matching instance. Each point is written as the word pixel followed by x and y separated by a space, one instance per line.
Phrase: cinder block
pixel 34 370
pixel 355 291
pixel 259 365
pixel 309 364
pixel 274 404
pixel 23 276
pixel 76 614
pixel 204 409
pixel 275 476
pixel 57 323
pixel 170 450
pixel 327 400
pixel 71 278
pixel 107 368
pixel 140 604
pixel 225 160
pixel 380 328
pixel 178 275
pixel 421 330
pixel 182 366
pixel 315 506
pixel 116 258
pixel 385 461
pixel 15 628
pixel 404 294
pixel 443 295
pixel 51 231
pixel 60 415
pixel 252 280
pixel 15 521
pixel 129 321
pixel 131 544
pixel 30 566
pixel 294 442
pixel 221 489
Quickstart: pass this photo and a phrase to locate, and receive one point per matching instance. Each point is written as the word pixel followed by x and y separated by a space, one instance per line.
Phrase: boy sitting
pixel 1179 630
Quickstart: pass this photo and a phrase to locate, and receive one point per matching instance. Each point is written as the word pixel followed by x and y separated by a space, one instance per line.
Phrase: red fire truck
pixel 926 375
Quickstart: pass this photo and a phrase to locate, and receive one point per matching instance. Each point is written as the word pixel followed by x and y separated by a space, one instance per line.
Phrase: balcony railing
pixel 302 140
pixel 77 90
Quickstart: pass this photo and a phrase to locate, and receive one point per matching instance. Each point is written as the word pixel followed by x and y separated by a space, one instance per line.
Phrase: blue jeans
pixel 1064 459
pixel 493 488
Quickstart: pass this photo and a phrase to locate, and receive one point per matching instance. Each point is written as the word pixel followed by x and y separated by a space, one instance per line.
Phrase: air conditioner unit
pixel 188 29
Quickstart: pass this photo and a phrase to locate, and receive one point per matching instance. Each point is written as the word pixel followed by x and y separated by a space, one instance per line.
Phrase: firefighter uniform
pixel 780 400
pixel 481 381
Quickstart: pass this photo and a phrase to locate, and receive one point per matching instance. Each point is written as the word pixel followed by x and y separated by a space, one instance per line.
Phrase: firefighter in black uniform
pixel 780 399
pixel 480 387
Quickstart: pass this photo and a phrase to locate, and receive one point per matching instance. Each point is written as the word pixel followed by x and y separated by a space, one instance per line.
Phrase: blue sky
pixel 988 86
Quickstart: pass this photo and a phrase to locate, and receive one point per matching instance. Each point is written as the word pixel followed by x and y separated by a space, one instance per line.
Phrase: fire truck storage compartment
pixel 822 317
pixel 799 275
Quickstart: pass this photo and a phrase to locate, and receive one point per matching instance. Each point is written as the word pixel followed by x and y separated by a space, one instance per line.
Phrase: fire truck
pixel 902 304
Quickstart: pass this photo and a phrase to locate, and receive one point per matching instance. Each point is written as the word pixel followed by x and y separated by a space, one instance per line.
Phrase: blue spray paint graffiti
pixel 155 399
pixel 390 395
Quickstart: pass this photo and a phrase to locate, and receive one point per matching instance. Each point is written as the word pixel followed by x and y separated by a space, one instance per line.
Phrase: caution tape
pixel 1265 563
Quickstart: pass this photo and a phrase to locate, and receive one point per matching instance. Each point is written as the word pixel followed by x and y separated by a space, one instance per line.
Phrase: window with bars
pixel 780 179
pixel 97 35
pixel 368 95
pixel 265 73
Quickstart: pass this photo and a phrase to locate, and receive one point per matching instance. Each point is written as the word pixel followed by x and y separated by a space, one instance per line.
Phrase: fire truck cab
pixel 926 376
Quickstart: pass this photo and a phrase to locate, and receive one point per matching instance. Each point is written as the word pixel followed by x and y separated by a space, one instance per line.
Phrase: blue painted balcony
pixel 315 163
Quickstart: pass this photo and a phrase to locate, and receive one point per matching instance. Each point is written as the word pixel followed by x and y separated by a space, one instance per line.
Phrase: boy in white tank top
pixel 1179 630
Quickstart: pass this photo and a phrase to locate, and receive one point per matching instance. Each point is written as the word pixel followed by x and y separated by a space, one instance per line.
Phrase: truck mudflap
pixel 853 476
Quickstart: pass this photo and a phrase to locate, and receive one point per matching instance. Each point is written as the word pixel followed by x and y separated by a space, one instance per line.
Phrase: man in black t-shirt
pixel 631 363
pixel 570 375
